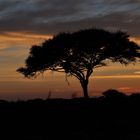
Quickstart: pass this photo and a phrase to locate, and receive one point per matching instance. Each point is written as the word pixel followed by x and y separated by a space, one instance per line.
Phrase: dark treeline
pixel 111 116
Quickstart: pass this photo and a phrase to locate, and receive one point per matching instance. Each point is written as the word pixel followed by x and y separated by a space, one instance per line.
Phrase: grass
pixel 113 116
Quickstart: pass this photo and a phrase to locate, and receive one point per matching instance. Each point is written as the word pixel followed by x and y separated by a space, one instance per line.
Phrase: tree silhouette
pixel 79 53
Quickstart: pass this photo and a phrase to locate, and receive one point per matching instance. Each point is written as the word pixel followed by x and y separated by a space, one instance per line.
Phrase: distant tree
pixel 78 54
pixel 112 93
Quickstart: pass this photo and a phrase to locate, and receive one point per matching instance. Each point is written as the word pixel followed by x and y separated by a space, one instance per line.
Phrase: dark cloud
pixel 52 16
pixel 5 4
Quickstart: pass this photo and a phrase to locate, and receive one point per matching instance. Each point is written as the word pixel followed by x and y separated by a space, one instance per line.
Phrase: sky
pixel 25 23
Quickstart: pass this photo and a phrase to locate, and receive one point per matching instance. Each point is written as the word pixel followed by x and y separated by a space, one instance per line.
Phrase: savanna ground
pixel 113 116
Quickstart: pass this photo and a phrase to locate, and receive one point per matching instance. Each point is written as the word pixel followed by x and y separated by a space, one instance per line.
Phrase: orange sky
pixel 14 48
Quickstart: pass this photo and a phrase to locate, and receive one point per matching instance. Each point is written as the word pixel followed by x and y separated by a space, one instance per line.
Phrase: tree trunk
pixel 84 84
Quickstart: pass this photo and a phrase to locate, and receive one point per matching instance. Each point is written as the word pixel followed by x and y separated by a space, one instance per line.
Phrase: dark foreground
pixel 112 117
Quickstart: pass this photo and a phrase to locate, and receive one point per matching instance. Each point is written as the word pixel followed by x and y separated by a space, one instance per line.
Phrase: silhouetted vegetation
pixel 78 53
pixel 112 116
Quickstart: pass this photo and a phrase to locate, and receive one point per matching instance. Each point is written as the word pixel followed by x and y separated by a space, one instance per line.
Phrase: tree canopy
pixel 78 53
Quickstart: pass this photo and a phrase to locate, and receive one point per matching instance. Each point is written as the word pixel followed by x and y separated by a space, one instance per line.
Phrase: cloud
pixel 117 77
pixel 14 47
pixel 52 16
pixel 126 89
pixel 136 39
pixel 137 72
pixel 9 40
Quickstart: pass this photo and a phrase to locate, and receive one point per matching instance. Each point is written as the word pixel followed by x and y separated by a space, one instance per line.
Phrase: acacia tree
pixel 78 54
